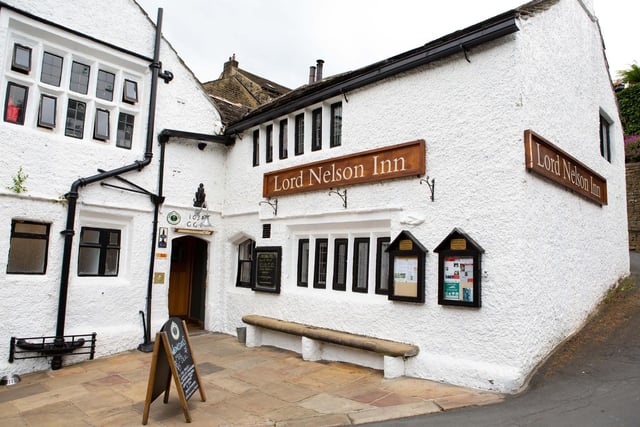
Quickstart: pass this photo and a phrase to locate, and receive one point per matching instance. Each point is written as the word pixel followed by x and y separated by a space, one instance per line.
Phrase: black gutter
pixel 457 42
pixel 72 197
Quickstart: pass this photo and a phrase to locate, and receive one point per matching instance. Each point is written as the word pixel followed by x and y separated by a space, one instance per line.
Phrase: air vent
pixel 266 231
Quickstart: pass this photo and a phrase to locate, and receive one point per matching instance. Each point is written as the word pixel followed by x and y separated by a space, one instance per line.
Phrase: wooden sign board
pixel 172 356
pixel 266 269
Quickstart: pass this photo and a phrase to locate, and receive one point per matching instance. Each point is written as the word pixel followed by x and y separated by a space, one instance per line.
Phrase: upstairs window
pixel 130 91
pixel 79 78
pixel 99 253
pixel 605 139
pixel 316 130
pixel 47 111
pixel 269 144
pixel 101 125
pixel 104 85
pixel 28 248
pixel 15 103
pixel 124 137
pixel 283 139
pixel 75 119
pixel 51 69
pixel 256 147
pixel 336 125
pixel 245 258
pixel 21 60
pixel 299 135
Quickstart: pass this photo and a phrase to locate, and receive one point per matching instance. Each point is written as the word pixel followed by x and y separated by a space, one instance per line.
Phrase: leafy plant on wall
pixel 19 180
pixel 629 103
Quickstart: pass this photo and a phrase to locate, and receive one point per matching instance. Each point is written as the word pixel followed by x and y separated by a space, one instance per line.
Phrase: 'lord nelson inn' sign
pixel 396 161
pixel 547 160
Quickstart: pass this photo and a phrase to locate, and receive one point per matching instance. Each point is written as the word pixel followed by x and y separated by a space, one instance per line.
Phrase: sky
pixel 280 39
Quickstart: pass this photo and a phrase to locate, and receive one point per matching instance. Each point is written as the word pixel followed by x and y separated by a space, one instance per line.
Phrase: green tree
pixel 631 75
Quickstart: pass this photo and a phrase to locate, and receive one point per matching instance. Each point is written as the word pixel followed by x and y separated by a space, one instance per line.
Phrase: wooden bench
pixel 312 338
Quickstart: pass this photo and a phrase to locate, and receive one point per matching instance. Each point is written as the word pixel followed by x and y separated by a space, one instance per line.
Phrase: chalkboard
pixel 266 269
pixel 172 356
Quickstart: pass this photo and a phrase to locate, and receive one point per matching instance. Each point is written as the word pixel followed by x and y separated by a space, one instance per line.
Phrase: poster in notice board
pixel 172 356
pixel 266 269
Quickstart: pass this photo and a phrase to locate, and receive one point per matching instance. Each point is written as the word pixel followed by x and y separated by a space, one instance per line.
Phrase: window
pixel 124 137
pixel 361 265
pixel 79 77
pixel 51 69
pixel 28 248
pixel 130 91
pixel 303 262
pixel 382 266
pixel 340 255
pixel 75 119
pixel 99 252
pixel 316 130
pixel 256 147
pixel 283 139
pixel 104 85
pixel 101 125
pixel 16 103
pixel 320 272
pixel 269 144
pixel 245 258
pixel 605 138
pixel 299 135
pixel 336 125
pixel 47 112
pixel 21 61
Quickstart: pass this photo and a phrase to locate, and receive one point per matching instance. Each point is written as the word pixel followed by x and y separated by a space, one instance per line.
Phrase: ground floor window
pixel 361 265
pixel 320 272
pixel 341 255
pixel 382 265
pixel 28 248
pixel 245 257
pixel 303 262
pixel 99 253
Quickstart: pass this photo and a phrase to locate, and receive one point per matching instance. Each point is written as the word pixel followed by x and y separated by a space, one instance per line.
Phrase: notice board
pixel 172 357
pixel 266 269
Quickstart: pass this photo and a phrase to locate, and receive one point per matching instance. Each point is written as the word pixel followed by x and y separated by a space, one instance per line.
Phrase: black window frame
pixel 16 65
pixel 299 135
pixel 245 261
pixel 48 77
pixel 336 125
pixel 31 236
pixel 382 283
pixel 130 91
pixel 340 265
pixel 605 138
pixel 319 265
pixel 124 134
pixel 42 122
pixel 303 261
pixel 256 147
pixel 104 246
pixel 316 129
pixel 269 144
pixel 73 131
pixel 105 85
pixel 356 266
pixel 78 81
pixel 100 129
pixel 283 139
pixel 21 113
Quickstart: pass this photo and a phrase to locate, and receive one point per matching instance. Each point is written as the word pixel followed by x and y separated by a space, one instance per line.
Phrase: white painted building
pixel 512 122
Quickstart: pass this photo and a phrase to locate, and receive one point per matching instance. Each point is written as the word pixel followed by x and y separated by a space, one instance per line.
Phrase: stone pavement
pixel 244 387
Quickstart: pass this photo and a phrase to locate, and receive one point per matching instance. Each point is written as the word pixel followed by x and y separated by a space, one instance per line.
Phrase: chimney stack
pixel 319 63
pixel 230 67
pixel 312 74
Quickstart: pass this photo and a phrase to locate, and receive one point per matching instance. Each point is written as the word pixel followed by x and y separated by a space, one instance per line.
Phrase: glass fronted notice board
pixel 406 268
pixel 266 269
pixel 459 271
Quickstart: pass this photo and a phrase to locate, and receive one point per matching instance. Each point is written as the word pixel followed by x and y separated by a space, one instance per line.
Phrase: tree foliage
pixel 629 103
pixel 631 76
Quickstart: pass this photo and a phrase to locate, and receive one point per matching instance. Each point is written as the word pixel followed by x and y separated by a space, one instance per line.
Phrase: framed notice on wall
pixel 459 270
pixel 266 269
pixel 406 265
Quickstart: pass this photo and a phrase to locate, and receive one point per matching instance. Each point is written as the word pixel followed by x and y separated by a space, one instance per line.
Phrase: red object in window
pixel 13 112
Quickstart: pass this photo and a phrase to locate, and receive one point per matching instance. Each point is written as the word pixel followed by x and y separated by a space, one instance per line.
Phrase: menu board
pixel 181 354
pixel 458 278
pixel 266 269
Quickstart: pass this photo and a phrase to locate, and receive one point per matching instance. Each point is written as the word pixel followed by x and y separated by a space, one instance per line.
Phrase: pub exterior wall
pixel 539 281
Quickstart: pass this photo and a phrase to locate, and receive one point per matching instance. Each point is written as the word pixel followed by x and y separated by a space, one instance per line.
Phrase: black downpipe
pixel 72 197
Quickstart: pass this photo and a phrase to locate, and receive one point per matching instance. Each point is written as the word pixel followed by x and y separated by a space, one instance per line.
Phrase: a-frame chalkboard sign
pixel 172 356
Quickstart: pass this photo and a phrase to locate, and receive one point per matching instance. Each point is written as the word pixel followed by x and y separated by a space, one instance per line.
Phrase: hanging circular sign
pixel 173 218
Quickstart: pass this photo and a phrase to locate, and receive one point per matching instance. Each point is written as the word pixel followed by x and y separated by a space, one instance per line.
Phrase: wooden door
pixel 180 278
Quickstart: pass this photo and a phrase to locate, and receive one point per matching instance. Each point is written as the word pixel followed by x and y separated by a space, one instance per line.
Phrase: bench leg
pixel 393 367
pixel 254 336
pixel 311 349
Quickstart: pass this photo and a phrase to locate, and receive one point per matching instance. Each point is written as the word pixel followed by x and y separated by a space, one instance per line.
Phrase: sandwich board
pixel 172 357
